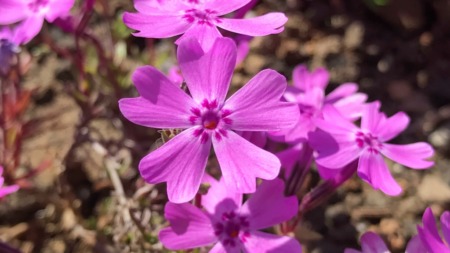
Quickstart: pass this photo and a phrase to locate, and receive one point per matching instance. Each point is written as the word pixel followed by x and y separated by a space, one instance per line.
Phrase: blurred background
pixel 75 157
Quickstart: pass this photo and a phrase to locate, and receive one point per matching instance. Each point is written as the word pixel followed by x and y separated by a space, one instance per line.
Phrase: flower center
pixel 211 119
pixel 37 5
pixel 232 229
pixel 202 17
pixel 368 141
pixel 307 110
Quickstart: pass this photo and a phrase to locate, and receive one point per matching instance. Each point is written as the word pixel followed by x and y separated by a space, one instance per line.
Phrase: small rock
pixel 440 138
pixel 433 189
pixel 354 35
pixel 389 226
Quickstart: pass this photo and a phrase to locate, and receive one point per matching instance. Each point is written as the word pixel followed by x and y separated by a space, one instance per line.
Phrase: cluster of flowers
pixel 315 126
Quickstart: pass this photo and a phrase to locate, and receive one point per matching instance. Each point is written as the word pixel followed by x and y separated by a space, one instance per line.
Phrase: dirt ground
pixel 91 198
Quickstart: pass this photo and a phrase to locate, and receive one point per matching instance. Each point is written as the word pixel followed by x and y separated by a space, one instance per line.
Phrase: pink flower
pixel 208 120
pixel 33 13
pixel 309 93
pixel 429 234
pixel 228 224
pixel 198 19
pixel 368 144
pixel 372 243
pixel 6 190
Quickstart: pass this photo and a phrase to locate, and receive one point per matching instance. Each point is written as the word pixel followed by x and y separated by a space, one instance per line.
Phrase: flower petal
pixel 12 11
pixel 373 170
pixel 429 233
pixel 264 242
pixel 206 35
pixel 334 122
pixel 30 27
pixel 290 157
pixel 225 7
pixel 161 105
pixel 219 248
pixel 372 243
pixel 160 7
pixel 206 76
pixel 8 189
pixel 58 8
pixel 371 117
pixel 351 107
pixel 342 91
pixel 257 105
pixel 393 126
pixel 189 227
pixel 415 246
pixel 257 138
pixel 216 195
pixel 445 226
pixel 180 162
pixel 271 23
pixel 411 155
pixel 268 206
pixel 299 132
pixel 334 150
pixel 306 80
pixel 156 26
pixel 240 170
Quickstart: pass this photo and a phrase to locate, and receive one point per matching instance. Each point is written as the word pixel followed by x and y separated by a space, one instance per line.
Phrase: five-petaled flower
pixel 233 227
pixel 208 119
pixel 32 13
pixel 368 144
pixel 198 19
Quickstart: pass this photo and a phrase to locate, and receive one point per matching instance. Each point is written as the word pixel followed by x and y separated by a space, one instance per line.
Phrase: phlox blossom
pixel 308 92
pixel 32 13
pixel 368 144
pixel 230 225
pixel 198 19
pixel 209 120
pixel 373 243
pixel 6 190
pixel 429 234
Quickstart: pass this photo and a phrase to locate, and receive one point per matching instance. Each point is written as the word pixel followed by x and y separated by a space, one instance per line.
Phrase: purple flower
pixel 32 13
pixel 198 19
pixel 309 93
pixel 209 120
pixel 233 227
pixel 6 190
pixel 368 145
pixel 429 234
pixel 372 243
